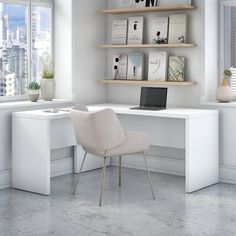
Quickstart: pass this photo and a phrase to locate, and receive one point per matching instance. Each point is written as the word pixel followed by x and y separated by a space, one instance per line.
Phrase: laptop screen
pixel 153 97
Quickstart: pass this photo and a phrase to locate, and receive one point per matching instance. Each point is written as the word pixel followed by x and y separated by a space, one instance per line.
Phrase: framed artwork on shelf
pixel 176 71
pixel 119 32
pixel 135 30
pixel 177 29
pixel 157 66
pixel 159 30
pixel 139 3
pixel 119 71
pixel 174 2
pixel 125 3
pixel 151 3
pixel 135 66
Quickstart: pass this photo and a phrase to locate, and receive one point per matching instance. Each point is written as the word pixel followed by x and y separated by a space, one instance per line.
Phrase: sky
pixel 16 15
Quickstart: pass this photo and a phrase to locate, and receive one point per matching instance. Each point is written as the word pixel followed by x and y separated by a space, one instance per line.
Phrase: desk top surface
pixel 178 113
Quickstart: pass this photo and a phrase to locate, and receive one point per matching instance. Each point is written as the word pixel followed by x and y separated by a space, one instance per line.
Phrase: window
pixel 41 37
pixel 228 39
pixel 25 34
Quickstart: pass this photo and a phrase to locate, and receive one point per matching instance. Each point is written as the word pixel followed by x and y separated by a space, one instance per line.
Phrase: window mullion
pixel 30 43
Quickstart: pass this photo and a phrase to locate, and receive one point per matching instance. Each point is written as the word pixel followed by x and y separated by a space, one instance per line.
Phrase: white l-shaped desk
pixel 36 133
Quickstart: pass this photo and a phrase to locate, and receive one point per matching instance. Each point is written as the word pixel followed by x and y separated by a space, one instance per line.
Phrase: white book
pixel 125 3
pixel 157 66
pixel 139 3
pixel 119 32
pixel 178 29
pixel 159 30
pixel 135 66
pixel 174 2
pixel 119 70
pixel 135 31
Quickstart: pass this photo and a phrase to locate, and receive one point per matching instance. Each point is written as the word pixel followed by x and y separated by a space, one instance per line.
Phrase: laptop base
pixel 148 108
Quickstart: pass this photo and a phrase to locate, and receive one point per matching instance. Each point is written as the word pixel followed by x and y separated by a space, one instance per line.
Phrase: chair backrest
pixel 97 131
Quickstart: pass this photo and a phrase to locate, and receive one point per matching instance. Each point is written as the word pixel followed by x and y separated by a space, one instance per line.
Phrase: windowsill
pixel 15 104
pixel 219 104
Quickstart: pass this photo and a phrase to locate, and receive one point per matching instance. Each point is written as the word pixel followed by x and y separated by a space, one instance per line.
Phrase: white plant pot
pixel 33 95
pixel 224 94
pixel 48 87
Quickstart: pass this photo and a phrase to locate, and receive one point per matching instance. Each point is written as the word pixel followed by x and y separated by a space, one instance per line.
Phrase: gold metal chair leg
pixel 102 181
pixel 81 167
pixel 120 157
pixel 149 176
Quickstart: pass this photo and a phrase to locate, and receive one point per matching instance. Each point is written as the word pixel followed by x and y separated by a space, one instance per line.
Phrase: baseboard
pixel 58 168
pixel 5 179
pixel 155 164
pixel 62 167
pixel 228 174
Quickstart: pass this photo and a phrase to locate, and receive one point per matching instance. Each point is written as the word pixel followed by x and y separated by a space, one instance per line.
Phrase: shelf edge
pixel 147 9
pixel 148 83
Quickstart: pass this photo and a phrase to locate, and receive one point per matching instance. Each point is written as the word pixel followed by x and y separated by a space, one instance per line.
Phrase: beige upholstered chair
pixel 101 134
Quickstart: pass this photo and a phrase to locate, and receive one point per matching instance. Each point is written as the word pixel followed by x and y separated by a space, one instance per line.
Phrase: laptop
pixel 152 99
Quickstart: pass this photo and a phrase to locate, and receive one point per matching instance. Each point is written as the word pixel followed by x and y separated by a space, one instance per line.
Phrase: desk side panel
pixel 31 155
pixel 202 152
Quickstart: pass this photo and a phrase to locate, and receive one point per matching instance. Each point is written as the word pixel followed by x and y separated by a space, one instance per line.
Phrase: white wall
pixel 177 96
pixel 210 50
pixel 63 48
pixel 89 61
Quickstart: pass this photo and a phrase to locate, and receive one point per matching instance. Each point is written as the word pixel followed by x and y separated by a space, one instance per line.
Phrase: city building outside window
pixel 25 34
pixel 228 39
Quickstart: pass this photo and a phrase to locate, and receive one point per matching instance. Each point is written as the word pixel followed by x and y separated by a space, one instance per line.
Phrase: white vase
pixel 48 87
pixel 33 95
pixel 224 92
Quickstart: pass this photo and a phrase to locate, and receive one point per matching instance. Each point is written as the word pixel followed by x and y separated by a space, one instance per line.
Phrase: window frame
pixel 31 4
pixel 222 66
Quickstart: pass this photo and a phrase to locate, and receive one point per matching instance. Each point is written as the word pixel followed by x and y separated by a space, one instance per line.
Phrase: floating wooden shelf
pixel 182 45
pixel 147 82
pixel 148 9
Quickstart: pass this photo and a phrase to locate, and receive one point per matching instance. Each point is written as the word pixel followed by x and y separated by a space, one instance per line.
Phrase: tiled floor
pixel 126 211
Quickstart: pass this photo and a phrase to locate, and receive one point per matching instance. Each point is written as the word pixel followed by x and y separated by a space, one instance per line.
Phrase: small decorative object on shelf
pixel 224 92
pixel 159 30
pixel 135 31
pixel 176 71
pixel 157 66
pixel 33 91
pixel 178 29
pixel 47 83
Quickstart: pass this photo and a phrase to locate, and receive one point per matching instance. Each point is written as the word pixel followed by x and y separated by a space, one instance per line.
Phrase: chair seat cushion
pixel 135 142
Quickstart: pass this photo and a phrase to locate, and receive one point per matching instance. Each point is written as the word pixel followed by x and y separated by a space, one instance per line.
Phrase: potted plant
pixel 224 92
pixel 47 83
pixel 33 91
